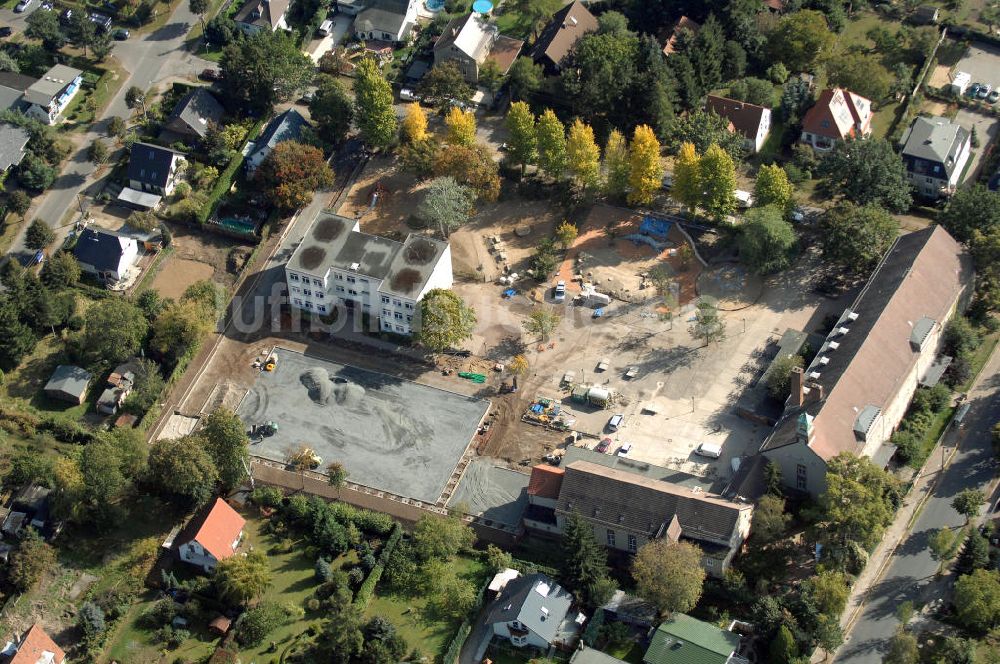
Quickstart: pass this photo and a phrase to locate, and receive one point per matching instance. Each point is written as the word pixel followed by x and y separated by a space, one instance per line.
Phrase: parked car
pixel 710 450
pixel 559 294
pixel 984 91
pixel 798 215
pixel 121 34
pixel 23 6
pixel 209 75
pixel 603 446
pixel 615 422
pixel 974 89
pixel 993 97
pixel 325 27
pixel 66 16
pixel 668 180
pixel 5 31
pixel 624 449
pixel 407 94
pixel 102 21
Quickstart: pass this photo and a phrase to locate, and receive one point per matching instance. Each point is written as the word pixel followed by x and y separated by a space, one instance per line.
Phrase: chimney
pixel 814 394
pixel 797 381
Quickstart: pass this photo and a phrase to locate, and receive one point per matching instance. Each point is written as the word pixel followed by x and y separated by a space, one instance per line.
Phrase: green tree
pixel 199 7
pixel 582 155
pixel 523 146
pixel 60 271
pixel 977 599
pixel 669 575
pixel 114 330
pixel 179 327
pixel 796 97
pixel 31 561
pixel 445 320
pixel 856 237
pixel 332 110
pixel 779 376
pixel 769 520
pixel 35 173
pixel 437 538
pixel 16 338
pixel 445 84
pixel 972 208
pixel 859 501
pixel 703 130
pixel 645 173
pixel 265 69
pixel 105 485
pixel 800 39
pixel 18 202
pixel 183 470
pixel 772 478
pixel 975 554
pixel 616 166
pixel 226 441
pixel 862 73
pixel 446 204
pixel 242 579
pixel 753 91
pixel 45 26
pixel 98 152
pixel 550 137
pixel 584 562
pixel 612 22
pixel 686 187
pixel 497 560
pixel 766 240
pixel 968 503
pixel 8 63
pixel 524 78
pixel 717 175
pixel 867 171
pixel 491 77
pixel 146 388
pixel 707 324
pixel 772 187
pixel 81 30
pixel 903 649
pixel 541 323
pixel 256 623
pixel 336 475
pixel 829 590
pixel 39 235
pixel 291 173
pixel 453 598
pixel 942 544
pixel 135 98
pixel 783 649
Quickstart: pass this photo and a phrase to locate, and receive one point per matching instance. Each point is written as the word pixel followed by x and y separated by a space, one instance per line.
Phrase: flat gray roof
pixel 48 86
pixel 391 434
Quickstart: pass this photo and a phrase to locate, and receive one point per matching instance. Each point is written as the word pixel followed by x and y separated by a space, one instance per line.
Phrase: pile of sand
pixel 322 388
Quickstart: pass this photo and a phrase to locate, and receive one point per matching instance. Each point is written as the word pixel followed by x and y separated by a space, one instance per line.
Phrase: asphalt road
pixel 149 58
pixel 911 573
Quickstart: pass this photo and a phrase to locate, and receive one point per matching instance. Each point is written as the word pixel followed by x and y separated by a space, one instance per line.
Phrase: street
pixel 150 59
pixel 911 573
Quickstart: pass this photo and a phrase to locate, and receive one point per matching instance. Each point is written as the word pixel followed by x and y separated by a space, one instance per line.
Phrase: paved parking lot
pixel 982 63
pixel 390 434
pixel 318 47
pixel 986 126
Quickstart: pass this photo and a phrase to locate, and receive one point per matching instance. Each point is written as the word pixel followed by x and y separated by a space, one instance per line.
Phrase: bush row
pixel 225 181
pixel 367 589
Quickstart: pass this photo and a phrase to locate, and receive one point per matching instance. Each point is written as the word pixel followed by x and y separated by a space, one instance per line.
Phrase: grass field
pixel 25 383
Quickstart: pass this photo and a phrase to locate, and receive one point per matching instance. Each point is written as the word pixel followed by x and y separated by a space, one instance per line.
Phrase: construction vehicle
pixel 305 457
pixel 263 430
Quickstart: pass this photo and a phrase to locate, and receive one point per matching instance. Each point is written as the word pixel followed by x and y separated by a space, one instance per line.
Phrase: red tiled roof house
pixel 837 116
pixel 683 23
pixel 543 493
pixel 751 121
pixel 212 536
pixel 35 647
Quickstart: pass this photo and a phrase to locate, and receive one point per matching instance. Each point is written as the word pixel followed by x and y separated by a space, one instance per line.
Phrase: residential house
pixel 212 536
pixel 152 174
pixel 935 151
pixel 68 383
pixel 13 141
pixel 533 611
pixel 630 609
pixel 49 96
pixel 386 20
pixel 775 6
pixel 194 114
pixel 257 15
pixel 29 507
pixel 686 640
pixel 683 24
pixel 585 655
pixel 117 389
pixel 561 34
pixel 855 392
pixel 751 121
pixel 628 509
pixel 105 255
pixel 337 264
pixel 470 41
pixel 543 494
pixel 12 89
pixel 34 647
pixel 838 115
pixel 286 127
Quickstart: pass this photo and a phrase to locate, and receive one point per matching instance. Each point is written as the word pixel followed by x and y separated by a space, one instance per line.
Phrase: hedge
pixel 593 630
pixel 225 181
pixel 367 589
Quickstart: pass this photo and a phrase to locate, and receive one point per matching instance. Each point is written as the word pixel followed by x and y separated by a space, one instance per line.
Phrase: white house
pixel 285 127
pixel 212 536
pixel 751 121
pixel 837 115
pixel 533 611
pixel 935 151
pixel 257 15
pixel 152 174
pixel 49 96
pixel 386 279
pixel 387 20
pixel 105 255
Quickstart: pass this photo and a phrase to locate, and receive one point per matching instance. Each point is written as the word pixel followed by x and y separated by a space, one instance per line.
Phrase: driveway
pixel 17 21
pixel 911 573
pixel 318 47
pixel 987 127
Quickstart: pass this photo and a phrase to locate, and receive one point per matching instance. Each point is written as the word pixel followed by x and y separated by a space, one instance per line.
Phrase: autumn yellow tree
pixel 645 173
pixel 566 233
pixel 616 165
pixel 582 154
pixel 518 365
pixel 460 126
pixel 414 124
pixel 686 188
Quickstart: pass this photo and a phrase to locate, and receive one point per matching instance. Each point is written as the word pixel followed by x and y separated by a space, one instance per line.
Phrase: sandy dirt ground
pixel 193 246
pixel 176 274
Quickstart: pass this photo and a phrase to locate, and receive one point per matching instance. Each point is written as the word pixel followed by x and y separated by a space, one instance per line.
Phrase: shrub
pixel 258 622
pixel 355 577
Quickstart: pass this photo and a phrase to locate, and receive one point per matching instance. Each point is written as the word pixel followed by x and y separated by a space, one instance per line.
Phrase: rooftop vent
pixel 355 266
pixel 852 316
pixel 833 345
pixel 824 360
pixel 814 375
pixel 543 589
pixel 573 21
pixel 843 330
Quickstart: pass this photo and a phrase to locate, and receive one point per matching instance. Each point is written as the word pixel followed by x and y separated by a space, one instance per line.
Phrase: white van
pixel 615 422
pixel 325 27
pixel 710 450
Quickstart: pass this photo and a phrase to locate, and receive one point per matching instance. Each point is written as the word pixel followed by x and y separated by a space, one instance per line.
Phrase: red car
pixel 603 446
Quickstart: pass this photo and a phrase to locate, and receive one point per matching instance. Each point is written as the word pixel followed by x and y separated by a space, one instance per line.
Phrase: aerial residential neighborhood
pixel 499 332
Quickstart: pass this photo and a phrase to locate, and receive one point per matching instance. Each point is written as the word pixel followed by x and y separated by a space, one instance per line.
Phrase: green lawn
pixel 631 652
pixel 885 119
pixel 408 614
pixel 513 24
pixel 855 31
pixel 25 383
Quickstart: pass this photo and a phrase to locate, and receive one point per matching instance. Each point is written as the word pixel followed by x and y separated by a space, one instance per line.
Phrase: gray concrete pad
pixel 492 492
pixel 391 434
pixel 982 62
